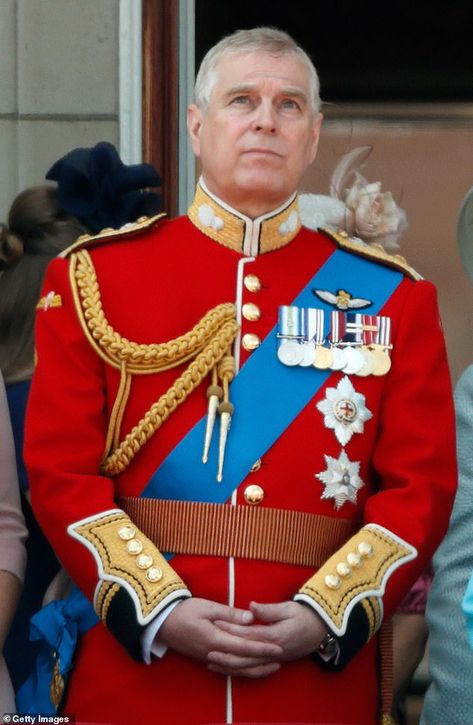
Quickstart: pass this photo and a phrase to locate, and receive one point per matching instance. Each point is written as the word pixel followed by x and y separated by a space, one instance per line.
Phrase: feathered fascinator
pixel 95 186
pixel 355 205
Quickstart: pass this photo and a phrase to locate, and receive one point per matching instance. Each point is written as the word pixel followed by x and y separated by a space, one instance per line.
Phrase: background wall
pixel 59 88
pixel 427 164
pixel 58 84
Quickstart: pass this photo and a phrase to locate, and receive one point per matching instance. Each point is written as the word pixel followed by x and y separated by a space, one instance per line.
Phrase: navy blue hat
pixel 96 187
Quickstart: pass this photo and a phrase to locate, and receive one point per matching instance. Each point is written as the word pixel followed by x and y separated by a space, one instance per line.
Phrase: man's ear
pixel 194 125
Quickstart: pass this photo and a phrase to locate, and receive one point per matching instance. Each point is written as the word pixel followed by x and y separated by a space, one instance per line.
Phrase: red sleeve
pixel 414 462
pixel 415 455
pixel 64 444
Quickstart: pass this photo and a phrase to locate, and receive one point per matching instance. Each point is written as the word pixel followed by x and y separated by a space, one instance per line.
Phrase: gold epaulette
pixel 375 252
pixel 109 234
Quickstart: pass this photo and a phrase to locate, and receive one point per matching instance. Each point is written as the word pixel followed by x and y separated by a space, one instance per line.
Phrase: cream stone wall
pixel 58 84
pixel 426 161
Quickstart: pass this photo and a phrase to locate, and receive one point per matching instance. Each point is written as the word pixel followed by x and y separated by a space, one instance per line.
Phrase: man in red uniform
pixel 291 534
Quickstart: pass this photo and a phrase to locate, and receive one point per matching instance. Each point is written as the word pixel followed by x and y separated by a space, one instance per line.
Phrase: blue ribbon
pixel 57 626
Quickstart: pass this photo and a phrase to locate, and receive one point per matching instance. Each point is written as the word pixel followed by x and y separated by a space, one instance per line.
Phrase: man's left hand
pixel 293 626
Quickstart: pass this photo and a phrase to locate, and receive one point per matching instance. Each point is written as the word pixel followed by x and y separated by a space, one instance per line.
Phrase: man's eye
pixel 290 104
pixel 240 99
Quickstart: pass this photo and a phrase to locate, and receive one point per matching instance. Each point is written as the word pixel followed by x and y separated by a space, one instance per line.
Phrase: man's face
pixel 259 133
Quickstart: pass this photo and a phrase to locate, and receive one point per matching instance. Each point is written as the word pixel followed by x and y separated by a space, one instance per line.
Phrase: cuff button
pixel 154 574
pixel 332 581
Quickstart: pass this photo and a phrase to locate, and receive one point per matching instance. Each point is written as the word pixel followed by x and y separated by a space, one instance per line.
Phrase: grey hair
pixel 266 40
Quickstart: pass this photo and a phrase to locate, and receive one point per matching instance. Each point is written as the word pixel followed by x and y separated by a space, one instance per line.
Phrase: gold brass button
pixel 365 550
pixel 354 560
pixel 252 283
pixel 154 574
pixel 126 533
pixel 144 561
pixel 250 341
pixel 332 581
pixel 254 494
pixel 134 547
pixel 343 569
pixel 256 466
pixel 251 312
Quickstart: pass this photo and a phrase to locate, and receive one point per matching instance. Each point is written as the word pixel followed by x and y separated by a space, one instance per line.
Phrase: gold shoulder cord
pixel 372 251
pixel 206 345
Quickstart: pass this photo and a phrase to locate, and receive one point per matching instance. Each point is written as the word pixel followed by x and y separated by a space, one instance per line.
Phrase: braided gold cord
pixel 168 402
pixel 118 411
pixel 116 349
pixel 206 344
pixel 226 373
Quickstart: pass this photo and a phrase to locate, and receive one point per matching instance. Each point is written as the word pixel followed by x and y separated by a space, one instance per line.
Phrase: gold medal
pixel 369 363
pixel 56 689
pixel 382 362
pixel 323 358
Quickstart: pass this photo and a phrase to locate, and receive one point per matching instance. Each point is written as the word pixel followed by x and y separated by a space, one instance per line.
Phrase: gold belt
pixel 248 532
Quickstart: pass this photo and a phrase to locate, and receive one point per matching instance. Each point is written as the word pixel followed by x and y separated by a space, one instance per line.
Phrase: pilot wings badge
pixel 342 300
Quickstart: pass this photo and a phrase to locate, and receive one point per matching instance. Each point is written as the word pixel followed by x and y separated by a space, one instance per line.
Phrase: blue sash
pixel 268 396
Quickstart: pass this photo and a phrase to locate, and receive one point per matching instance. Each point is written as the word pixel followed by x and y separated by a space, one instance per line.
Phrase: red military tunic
pixel 153 283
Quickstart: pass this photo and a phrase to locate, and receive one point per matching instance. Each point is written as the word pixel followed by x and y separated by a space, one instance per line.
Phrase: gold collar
pixel 229 227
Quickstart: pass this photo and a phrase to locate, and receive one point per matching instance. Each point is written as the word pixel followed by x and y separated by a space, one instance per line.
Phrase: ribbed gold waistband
pixel 248 532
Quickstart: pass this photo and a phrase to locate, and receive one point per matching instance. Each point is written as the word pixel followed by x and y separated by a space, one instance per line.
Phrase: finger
pixel 234 662
pixel 228 642
pixel 259 632
pixel 251 672
pixel 270 612
pixel 232 614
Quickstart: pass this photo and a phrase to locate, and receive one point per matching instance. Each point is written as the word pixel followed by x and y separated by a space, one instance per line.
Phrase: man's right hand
pixel 190 630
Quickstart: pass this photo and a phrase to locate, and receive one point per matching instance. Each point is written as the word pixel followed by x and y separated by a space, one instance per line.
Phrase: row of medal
pixel 358 344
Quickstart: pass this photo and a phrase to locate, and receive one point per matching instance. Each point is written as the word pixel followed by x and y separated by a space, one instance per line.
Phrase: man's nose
pixel 264 118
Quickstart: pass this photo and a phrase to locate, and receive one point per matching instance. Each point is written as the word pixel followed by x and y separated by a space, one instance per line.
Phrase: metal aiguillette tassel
pixel 227 373
pixel 226 410
pixel 215 395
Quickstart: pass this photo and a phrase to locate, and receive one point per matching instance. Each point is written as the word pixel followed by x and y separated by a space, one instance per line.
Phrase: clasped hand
pixel 248 643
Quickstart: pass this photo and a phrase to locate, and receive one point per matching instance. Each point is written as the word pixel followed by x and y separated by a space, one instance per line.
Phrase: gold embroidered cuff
pixel 127 558
pixel 357 572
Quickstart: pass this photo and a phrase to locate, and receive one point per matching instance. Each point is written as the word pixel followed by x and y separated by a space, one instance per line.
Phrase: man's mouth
pixel 263 152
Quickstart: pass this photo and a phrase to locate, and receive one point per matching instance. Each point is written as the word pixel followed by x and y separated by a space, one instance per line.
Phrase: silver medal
pixel 354 360
pixel 338 358
pixel 308 354
pixel 290 353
